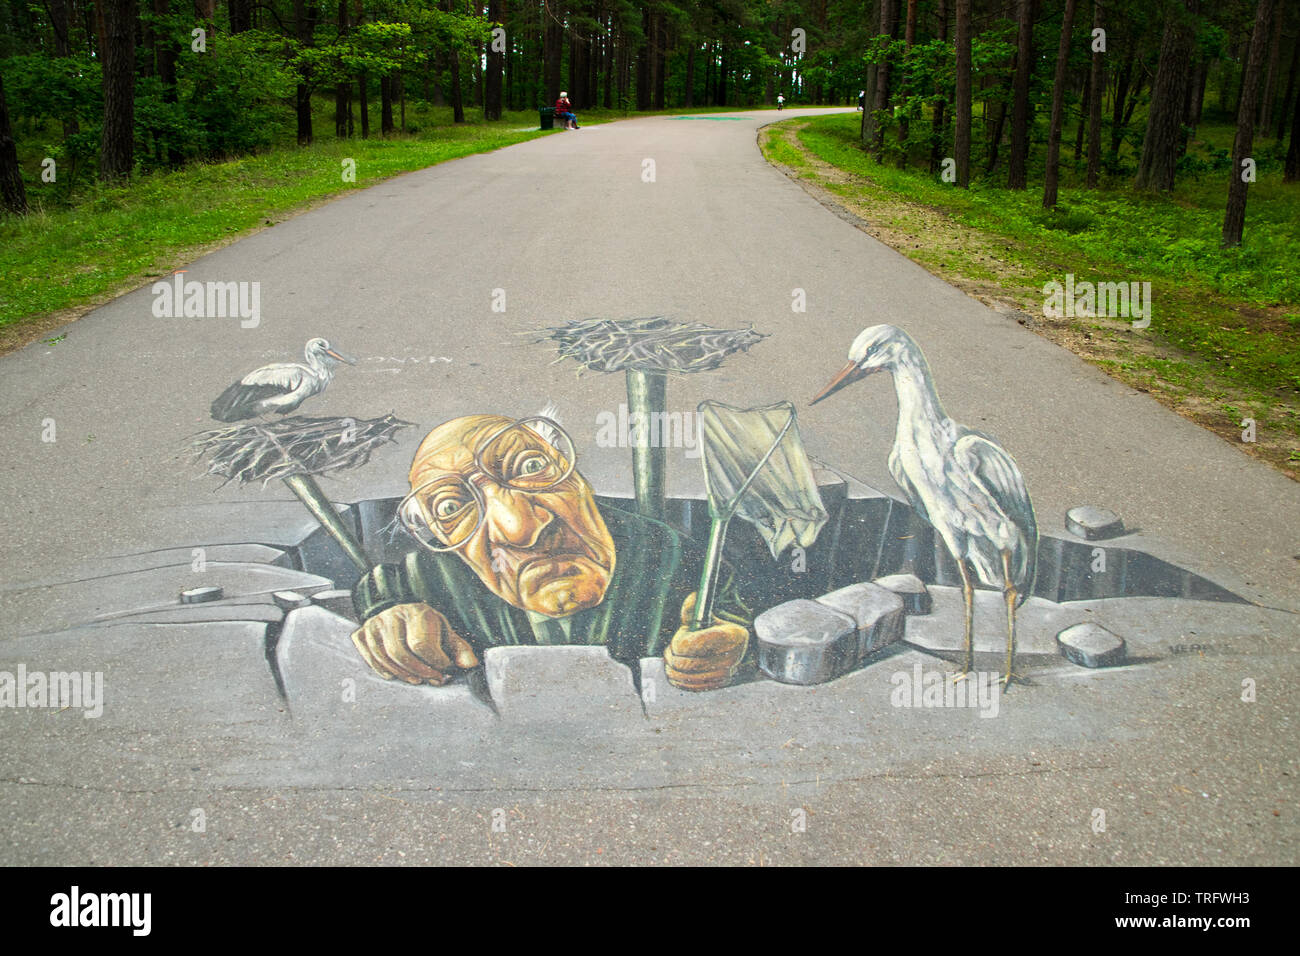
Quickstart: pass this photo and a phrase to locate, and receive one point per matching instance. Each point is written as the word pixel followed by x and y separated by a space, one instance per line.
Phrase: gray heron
pixel 281 386
pixel 962 482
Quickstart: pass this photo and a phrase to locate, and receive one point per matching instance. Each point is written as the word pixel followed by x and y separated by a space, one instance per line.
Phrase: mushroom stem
pixel 310 494
pixel 646 396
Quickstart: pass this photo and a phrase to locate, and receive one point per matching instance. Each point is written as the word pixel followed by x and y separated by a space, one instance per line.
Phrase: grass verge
pixel 59 261
pixel 1224 341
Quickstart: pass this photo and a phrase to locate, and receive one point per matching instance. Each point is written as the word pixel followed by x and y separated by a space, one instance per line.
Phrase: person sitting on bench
pixel 564 111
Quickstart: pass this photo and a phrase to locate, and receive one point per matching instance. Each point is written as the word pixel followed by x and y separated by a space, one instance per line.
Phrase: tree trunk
pixel 1164 135
pixel 511 103
pixel 1017 178
pixel 302 101
pixel 576 86
pixel 661 59
pixel 1098 77
pixel 165 55
pixel 363 91
pixel 689 99
pixel 385 105
pixel 1292 172
pixel 13 194
pixel 343 88
pixel 1085 106
pixel 1234 217
pixel 888 17
pixel 938 120
pixel 241 16
pixel 61 23
pixel 609 65
pixel 1200 97
pixel 593 71
pixel 909 38
pixel 495 64
pixel 1051 176
pixel 624 70
pixel 995 139
pixel 1117 121
pixel 1270 78
pixel 868 128
pixel 1190 89
pixel 1285 111
pixel 343 109
pixel 961 138
pixel 643 54
pixel 457 99
pixel 1133 101
pixel 553 55
pixel 475 61
pixel 305 28
pixel 117 145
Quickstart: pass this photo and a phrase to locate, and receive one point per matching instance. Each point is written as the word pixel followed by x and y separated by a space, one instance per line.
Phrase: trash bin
pixel 547 114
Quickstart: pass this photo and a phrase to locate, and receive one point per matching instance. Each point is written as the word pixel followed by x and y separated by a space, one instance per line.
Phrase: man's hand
pixel 413 643
pixel 704 659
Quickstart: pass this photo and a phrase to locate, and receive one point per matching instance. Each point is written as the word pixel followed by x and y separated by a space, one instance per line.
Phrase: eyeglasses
pixel 531 456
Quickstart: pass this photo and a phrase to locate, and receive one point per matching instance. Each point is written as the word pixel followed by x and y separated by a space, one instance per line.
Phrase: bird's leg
pixel 968 597
pixel 1010 595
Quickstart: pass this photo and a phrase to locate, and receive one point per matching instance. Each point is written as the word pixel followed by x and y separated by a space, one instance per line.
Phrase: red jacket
pixel 563 105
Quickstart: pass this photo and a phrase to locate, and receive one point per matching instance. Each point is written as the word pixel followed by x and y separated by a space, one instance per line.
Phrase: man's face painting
pixel 544 550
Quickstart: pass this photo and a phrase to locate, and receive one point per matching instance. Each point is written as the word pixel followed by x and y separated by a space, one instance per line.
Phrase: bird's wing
pixel 240 401
pixel 904 482
pixel 286 377
pixel 997 473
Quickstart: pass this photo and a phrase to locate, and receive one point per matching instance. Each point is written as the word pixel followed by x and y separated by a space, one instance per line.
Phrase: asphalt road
pixel 405 274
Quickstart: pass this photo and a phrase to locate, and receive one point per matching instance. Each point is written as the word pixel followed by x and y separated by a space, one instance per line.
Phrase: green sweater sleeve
pixel 384 586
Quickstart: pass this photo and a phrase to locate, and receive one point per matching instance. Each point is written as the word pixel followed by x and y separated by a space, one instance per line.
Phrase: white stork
pixel 961 481
pixel 281 386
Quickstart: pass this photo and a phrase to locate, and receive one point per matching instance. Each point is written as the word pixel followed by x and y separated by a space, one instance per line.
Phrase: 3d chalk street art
pixel 504 597
pixel 502 543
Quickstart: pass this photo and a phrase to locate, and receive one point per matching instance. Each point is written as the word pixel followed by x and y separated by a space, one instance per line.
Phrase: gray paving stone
pixel 804 642
pixel 876 611
pixel 202 595
pixel 114 564
pixel 1092 523
pixel 240 609
pixel 325 680
pixel 580 685
pixel 337 601
pixel 1091 645
pixel 152 591
pixel 290 600
pixel 915 595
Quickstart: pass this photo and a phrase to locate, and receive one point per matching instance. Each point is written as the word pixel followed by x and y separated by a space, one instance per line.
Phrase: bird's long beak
pixel 341 357
pixel 847 376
